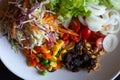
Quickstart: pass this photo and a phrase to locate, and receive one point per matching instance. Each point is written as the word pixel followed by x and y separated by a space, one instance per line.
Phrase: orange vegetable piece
pixel 44 49
pixel 35 29
pixel 41 66
pixel 32 63
pixel 26 3
pixel 37 48
pixel 13 31
pixel 26 51
pixel 31 56
pixel 58 66
pixel 47 56
pixel 67 31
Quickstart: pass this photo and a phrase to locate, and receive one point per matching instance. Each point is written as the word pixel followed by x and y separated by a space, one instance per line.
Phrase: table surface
pixel 5 74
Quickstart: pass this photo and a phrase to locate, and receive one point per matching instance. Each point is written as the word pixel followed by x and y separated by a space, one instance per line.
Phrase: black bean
pixel 74 60
pixel 76 69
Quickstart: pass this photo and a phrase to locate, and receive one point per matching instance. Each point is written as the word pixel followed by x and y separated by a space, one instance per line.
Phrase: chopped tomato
pixel 66 41
pixel 26 51
pixel 32 63
pixel 75 38
pixel 95 35
pixel 86 32
pixel 41 66
pixel 99 42
pixel 75 24
pixel 37 48
pixel 31 56
pixel 66 36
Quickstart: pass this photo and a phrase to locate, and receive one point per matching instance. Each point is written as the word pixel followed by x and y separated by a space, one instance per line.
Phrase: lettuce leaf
pixel 115 4
pixel 93 1
pixel 107 3
pixel 67 8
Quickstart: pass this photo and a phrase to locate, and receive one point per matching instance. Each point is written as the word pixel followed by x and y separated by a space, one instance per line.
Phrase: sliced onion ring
pixel 110 42
pixel 82 20
pixel 95 23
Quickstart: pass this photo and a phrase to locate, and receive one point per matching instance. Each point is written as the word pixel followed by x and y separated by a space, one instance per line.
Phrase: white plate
pixel 110 65
pixel 16 63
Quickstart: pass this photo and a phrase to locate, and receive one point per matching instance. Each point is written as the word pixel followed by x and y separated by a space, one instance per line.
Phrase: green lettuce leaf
pixel 67 8
pixel 106 3
pixel 115 4
pixel 93 1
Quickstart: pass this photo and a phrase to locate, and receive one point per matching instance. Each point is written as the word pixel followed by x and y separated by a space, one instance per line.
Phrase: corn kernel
pixel 61 42
pixel 34 51
pixel 55 49
pixel 50 68
pixel 43 73
pixel 63 51
pixel 60 57
pixel 54 58
pixel 53 64
pixel 37 59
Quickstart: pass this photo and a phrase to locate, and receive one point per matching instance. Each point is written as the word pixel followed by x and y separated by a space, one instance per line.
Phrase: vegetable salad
pixel 55 34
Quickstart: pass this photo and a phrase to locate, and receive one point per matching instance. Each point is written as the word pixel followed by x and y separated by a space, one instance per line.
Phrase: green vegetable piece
pixel 43 73
pixel 13 42
pixel 68 8
pixel 47 65
pixel 45 61
pixel 106 3
pixel 93 1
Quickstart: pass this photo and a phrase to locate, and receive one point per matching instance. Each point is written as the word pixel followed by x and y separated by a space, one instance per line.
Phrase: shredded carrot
pixel 53 26
pixel 26 3
pixel 49 19
pixel 12 2
pixel 44 49
pixel 47 56
pixel 67 31
pixel 6 15
pixel 35 29
pixel 13 31
pixel 25 43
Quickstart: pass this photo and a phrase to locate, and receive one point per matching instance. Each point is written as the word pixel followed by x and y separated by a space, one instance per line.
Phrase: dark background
pixel 5 74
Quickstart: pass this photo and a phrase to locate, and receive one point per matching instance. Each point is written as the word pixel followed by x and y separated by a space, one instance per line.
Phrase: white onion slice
pixel 82 20
pixel 96 9
pixel 109 13
pixel 67 22
pixel 95 23
pixel 110 42
pixel 114 24
pixel 115 21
